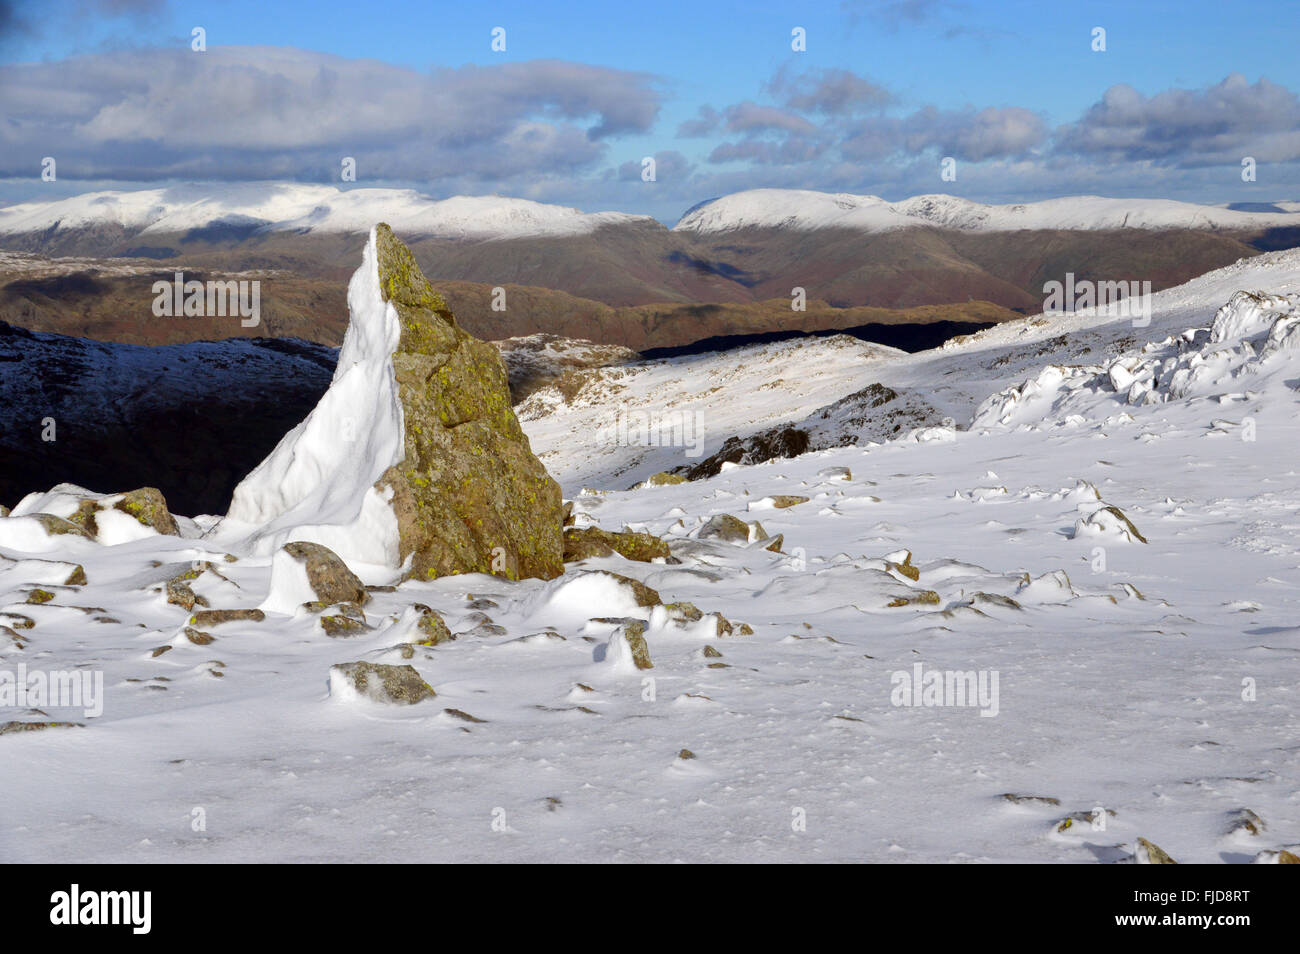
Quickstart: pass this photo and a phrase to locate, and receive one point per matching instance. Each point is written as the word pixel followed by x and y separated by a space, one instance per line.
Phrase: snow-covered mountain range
pixel 297 207
pixel 805 210
pixel 294 207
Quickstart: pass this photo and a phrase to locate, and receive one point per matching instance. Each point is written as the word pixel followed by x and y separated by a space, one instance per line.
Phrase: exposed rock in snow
pixel 413 459
pixel 1108 523
pixel 584 542
pixel 626 650
pixel 379 682
pixel 106 518
pixel 1149 853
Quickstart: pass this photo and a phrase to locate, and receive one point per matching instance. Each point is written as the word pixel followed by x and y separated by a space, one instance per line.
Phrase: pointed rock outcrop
pixel 413 459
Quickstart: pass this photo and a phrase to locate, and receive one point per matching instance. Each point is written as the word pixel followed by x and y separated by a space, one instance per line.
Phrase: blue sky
pixel 584 90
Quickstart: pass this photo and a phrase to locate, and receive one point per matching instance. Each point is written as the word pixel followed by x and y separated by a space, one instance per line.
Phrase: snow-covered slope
pixel 297 207
pixel 807 210
pixel 275 207
pixel 1143 689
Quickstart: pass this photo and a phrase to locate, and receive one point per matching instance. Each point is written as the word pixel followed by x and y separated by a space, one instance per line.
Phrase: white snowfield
pixel 1111 689
pixel 296 207
pixel 807 211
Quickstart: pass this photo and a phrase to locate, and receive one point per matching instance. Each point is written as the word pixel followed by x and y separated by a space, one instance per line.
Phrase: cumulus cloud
pixel 669 165
pixel 1183 127
pixel 268 112
pixel 705 123
pixel 830 91
pixel 793 149
pixel 750 117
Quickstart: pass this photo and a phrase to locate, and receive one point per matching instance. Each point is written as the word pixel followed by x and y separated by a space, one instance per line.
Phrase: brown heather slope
pixel 644 263
pixel 924 266
pixel 111 300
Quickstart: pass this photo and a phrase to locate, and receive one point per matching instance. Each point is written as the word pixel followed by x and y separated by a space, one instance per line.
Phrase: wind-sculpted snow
pixel 320 481
pixel 1114 570
pixel 1251 344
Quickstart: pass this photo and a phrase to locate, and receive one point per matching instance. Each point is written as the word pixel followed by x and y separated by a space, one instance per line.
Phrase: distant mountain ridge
pixel 756 248
pixel 249 208
pixel 296 207
pixel 805 210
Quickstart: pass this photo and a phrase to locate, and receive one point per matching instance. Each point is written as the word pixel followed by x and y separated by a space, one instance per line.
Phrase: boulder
pixel 1149 853
pixel 470 496
pixel 579 544
pixel 149 507
pixel 400 685
pixel 218 616
pixel 725 527
pixel 413 459
pixel 329 577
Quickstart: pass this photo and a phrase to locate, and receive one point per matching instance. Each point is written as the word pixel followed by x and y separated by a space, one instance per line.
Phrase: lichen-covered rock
pixel 338 624
pixel 661 479
pixel 1149 853
pixel 55 526
pixel 329 577
pixel 400 685
pixel 219 616
pixel 179 592
pixel 644 595
pixel 149 507
pixel 579 544
pixel 197 637
pixel 9 728
pixel 918 598
pixel 85 516
pixel 632 633
pixel 784 501
pixel 684 612
pixel 900 561
pixel 146 505
pixel 432 628
pixel 725 527
pixel 470 496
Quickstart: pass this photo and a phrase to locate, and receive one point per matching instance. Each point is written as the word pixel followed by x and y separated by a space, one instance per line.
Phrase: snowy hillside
pixel 806 210
pixel 277 207
pixel 1103 535
pixel 298 207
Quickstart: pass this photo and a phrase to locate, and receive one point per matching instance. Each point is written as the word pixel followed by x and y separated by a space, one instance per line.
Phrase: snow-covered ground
pixel 1159 681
